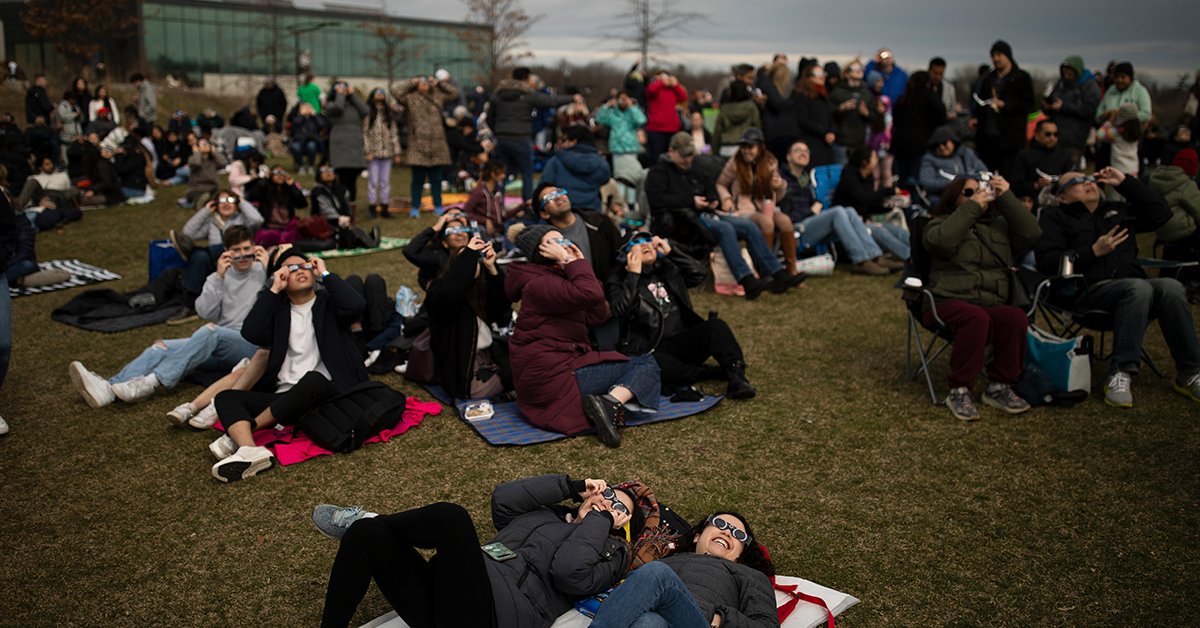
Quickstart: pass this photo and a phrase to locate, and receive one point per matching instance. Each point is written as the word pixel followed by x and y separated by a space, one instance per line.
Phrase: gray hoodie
pixel 226 301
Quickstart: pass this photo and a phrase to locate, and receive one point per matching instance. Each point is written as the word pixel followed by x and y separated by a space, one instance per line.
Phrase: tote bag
pixel 1066 361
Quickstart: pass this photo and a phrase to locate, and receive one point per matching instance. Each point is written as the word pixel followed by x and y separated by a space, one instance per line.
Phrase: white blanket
pixel 805 615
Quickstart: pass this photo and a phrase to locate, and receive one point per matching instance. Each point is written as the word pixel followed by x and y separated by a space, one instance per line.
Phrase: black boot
pixel 708 373
pixel 371 210
pixel 782 280
pixel 754 286
pixel 383 211
pixel 607 415
pixel 376 237
pixel 739 387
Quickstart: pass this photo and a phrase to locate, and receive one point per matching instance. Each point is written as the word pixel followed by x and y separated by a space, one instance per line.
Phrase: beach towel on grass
pixel 291 446
pixel 805 615
pixel 81 275
pixel 509 427
pixel 385 244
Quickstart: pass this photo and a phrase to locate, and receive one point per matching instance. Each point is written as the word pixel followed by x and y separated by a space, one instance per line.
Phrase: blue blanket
pixel 508 427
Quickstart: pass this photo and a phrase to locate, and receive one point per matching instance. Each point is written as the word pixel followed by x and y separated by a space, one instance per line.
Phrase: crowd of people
pixel 635 203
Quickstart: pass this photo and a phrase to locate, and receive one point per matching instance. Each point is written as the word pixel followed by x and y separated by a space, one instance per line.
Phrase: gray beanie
pixel 530 239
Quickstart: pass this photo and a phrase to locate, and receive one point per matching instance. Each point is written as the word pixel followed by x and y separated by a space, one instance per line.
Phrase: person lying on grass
pixel 722 578
pixel 544 556
pixel 313 357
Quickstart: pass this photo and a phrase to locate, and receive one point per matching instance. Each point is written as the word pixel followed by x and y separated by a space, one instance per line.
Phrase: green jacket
pixel 961 266
pixel 732 120
pixel 1183 197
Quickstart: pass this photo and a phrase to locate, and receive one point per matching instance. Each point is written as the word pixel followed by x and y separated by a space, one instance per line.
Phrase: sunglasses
pixel 553 196
pixel 637 242
pixel 1063 185
pixel 242 258
pixel 454 230
pixel 737 533
pixel 305 266
pixel 611 495
pixel 228 199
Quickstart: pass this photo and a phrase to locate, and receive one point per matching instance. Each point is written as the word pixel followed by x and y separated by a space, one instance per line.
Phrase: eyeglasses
pixel 611 495
pixel 553 196
pixel 737 533
pixel 1063 185
pixel 279 171
pixel 638 242
pixel 295 267
pixel 454 230
pixel 228 199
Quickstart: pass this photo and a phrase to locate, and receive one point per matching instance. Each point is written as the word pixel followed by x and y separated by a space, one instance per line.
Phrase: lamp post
pixel 297 29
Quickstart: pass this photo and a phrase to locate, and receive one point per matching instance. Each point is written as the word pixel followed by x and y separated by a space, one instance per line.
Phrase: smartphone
pixel 498 551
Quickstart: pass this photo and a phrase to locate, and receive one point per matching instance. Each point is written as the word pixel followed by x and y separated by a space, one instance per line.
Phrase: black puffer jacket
pixel 742 594
pixel 510 111
pixel 640 315
pixel 1073 229
pixel 557 562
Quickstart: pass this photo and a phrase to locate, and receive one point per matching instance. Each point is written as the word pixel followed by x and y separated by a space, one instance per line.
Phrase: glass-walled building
pixel 193 37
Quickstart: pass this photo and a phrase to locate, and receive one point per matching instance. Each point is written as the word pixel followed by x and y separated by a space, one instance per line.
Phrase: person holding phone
pixel 562 384
pixel 1100 235
pixel 544 556
pixel 313 357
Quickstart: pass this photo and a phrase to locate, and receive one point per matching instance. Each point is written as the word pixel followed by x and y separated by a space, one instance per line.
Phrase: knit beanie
pixel 1126 112
pixel 832 70
pixel 873 76
pixel 1123 67
pixel 530 239
pixel 1188 160
pixel 1003 48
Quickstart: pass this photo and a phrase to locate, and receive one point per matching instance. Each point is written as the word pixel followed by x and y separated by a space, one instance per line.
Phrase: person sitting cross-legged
pixel 1099 235
pixel 649 297
pixel 313 357
pixel 217 346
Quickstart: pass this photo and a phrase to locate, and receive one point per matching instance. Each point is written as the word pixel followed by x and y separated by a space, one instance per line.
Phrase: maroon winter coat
pixel 550 340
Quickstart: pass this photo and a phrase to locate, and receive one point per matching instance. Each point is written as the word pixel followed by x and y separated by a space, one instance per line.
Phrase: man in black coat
pixel 1002 101
pixel 510 115
pixel 37 102
pixel 1099 236
pixel 271 101
pixel 313 357
pixel 649 297
pixel 1044 154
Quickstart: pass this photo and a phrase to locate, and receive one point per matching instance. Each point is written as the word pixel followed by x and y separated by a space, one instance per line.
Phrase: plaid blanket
pixel 81 275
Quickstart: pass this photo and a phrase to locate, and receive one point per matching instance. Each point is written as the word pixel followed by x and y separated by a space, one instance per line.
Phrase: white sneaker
pixel 205 418
pixel 1118 391
pixel 136 389
pixel 247 462
pixel 401 368
pixel 371 357
pixel 94 389
pixel 223 447
pixel 181 414
pixel 3 426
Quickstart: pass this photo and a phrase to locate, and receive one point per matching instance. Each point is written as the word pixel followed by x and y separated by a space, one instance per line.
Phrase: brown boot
pixel 889 262
pixel 869 267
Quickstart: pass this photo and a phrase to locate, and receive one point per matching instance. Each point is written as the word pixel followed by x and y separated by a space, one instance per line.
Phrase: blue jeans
pixel 639 374
pixel 16 270
pixel 5 327
pixel 652 596
pixel 848 226
pixel 891 238
pixel 517 156
pixel 133 192
pixel 212 348
pixel 728 230
pixel 302 149
pixel 201 263
pixel 1134 303
pixel 434 174
pixel 181 175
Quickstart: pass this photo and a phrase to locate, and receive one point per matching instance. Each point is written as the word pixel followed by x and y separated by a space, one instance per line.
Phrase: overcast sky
pixel 1160 37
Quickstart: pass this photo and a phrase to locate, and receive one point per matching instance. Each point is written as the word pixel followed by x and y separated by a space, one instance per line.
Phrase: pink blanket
pixel 291 446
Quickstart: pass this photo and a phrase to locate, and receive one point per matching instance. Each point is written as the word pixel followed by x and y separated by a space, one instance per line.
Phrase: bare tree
pixel 642 27
pixel 79 28
pixel 391 50
pixel 509 23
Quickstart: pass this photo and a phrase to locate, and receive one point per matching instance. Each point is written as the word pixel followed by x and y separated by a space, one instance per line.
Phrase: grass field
pixel 1086 516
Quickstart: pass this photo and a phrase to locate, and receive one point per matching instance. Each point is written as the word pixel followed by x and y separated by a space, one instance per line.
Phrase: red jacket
pixel 661 115
pixel 550 340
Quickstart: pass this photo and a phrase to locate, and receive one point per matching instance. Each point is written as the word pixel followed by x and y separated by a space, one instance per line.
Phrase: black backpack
pixel 344 422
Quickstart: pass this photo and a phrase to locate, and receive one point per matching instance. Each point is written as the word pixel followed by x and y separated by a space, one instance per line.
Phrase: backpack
pixel 344 422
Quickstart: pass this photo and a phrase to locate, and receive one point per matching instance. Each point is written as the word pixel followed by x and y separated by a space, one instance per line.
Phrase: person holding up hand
pixel 1100 236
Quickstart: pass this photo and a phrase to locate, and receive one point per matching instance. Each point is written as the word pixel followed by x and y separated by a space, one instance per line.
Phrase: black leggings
pixel 348 177
pixel 682 356
pixel 449 590
pixel 286 407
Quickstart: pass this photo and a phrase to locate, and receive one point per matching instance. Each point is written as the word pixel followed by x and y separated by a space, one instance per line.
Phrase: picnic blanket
pixel 81 275
pixel 805 615
pixel 509 427
pixel 385 244
pixel 291 446
pixel 452 198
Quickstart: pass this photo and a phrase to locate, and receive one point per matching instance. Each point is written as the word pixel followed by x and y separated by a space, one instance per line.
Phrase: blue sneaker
pixel 333 521
pixel 414 212
pixel 438 211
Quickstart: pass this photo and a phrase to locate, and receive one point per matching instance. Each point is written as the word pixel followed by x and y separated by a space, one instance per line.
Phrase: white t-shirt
pixel 303 355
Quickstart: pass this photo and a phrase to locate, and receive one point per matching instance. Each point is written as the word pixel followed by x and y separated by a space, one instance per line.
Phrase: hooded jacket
pixel 550 340
pixel 580 170
pixel 1073 229
pixel 732 120
pixel 623 127
pixel 661 114
pixel 1079 101
pixel 962 161
pixel 1136 94
pixel 1182 196
pixel 961 245
pixel 556 562
pixel 510 110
